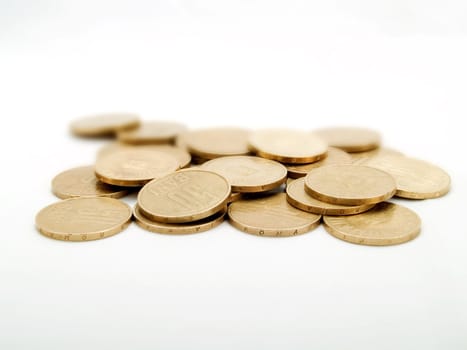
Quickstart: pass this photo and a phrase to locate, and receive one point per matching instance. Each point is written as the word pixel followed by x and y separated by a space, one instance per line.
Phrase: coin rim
pixel 354 148
pixel 105 130
pixel 125 137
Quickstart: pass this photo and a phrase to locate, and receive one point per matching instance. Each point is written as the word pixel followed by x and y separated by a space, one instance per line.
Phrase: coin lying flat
pixel 271 216
pixel 83 219
pixel 359 158
pixel 184 196
pixel 349 184
pixel 298 198
pixel 334 156
pixel 288 146
pixel 104 124
pixel 385 224
pixel 415 179
pixel 350 139
pixel 132 168
pixel 248 173
pixel 180 228
pixel 216 142
pixel 81 182
pixel 154 132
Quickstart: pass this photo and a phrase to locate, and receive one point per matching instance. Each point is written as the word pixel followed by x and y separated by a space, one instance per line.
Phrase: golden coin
pixel 287 145
pixel 82 182
pixel 334 156
pixel 350 139
pixel 184 196
pixel 359 158
pixel 385 224
pixel 83 219
pixel 297 197
pixel 134 167
pixel 234 196
pixel 247 173
pixel 104 124
pixel 271 216
pixel 349 184
pixel 154 132
pixel 216 142
pixel 180 228
pixel 415 179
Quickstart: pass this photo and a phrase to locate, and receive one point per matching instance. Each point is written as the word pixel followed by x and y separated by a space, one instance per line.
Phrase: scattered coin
pixel 81 182
pixel 83 219
pixel 154 132
pixel 349 184
pixel 415 179
pixel 350 139
pixel 359 158
pixel 184 196
pixel 271 216
pixel 385 224
pixel 104 124
pixel 287 145
pixel 297 197
pixel 248 173
pixel 234 196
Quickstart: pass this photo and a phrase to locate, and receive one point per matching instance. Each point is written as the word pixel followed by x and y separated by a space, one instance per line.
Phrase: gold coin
pixel 297 197
pixel 247 173
pixel 132 168
pixel 180 228
pixel 154 132
pixel 415 179
pixel 216 142
pixel 287 145
pixel 271 216
pixel 82 182
pixel 83 219
pixel 349 184
pixel 334 156
pixel 385 224
pixel 359 158
pixel 104 124
pixel 234 196
pixel 184 196
pixel 350 139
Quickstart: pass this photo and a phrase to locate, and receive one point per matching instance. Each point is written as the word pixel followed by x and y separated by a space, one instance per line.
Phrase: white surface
pixel 396 66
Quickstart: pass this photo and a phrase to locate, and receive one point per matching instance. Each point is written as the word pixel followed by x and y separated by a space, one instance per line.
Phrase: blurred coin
pixel 359 158
pixel 153 132
pixel 350 139
pixel 104 124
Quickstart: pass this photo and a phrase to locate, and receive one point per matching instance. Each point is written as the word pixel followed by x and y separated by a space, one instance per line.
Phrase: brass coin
pixel 271 216
pixel 154 132
pixel 216 142
pixel 184 196
pixel 349 184
pixel 134 167
pixel 234 196
pixel 385 224
pixel 297 197
pixel 359 158
pixel 83 219
pixel 287 145
pixel 350 139
pixel 180 228
pixel 334 156
pixel 247 173
pixel 104 124
pixel 82 182
pixel 415 179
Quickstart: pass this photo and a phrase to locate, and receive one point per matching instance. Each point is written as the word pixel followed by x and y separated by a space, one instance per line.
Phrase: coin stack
pixel 269 182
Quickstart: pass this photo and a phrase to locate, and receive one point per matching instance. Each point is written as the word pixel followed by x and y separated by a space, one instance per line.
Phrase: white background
pixel 398 66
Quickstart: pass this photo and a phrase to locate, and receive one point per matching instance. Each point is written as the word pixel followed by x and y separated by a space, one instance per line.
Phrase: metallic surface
pixel 152 132
pixel 104 124
pixel 350 139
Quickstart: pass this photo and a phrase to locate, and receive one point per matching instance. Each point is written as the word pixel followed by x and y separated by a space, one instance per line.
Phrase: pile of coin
pixel 269 182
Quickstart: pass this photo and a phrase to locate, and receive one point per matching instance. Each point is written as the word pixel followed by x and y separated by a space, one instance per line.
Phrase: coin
pixel 349 184
pixel 81 182
pixel 104 124
pixel 298 198
pixel 132 168
pixel 287 145
pixel 350 139
pixel 180 228
pixel 234 196
pixel 359 158
pixel 271 216
pixel 415 179
pixel 334 156
pixel 385 224
pixel 248 173
pixel 83 219
pixel 154 132
pixel 216 142
pixel 184 196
